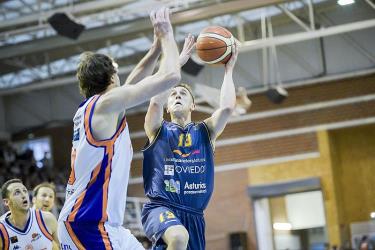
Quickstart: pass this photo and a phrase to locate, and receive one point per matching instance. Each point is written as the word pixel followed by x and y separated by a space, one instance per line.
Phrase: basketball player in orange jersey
pixel 24 227
pixel 178 165
pixel 94 208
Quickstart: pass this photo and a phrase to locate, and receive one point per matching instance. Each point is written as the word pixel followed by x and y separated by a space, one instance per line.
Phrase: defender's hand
pixel 189 44
pixel 161 23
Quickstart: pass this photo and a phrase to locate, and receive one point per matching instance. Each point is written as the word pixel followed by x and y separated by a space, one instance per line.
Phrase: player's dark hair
pixel 187 87
pixel 44 184
pixel 4 188
pixel 94 73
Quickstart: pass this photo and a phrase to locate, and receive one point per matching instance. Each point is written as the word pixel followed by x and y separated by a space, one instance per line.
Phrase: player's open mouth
pixel 25 203
pixel 178 103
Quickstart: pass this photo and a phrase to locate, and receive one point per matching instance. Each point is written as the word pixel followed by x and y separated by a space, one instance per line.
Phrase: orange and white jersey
pixel 35 235
pixel 97 186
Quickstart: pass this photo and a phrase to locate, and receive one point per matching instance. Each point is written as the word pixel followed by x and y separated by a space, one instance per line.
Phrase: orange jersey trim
pixel 109 149
pixel 73 236
pixel 105 236
pixel 79 201
pixel 5 235
pixel 90 137
pixel 44 230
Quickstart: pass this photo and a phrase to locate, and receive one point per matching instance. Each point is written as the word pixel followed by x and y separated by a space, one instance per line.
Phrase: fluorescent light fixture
pixel 372 215
pixel 345 2
pixel 282 226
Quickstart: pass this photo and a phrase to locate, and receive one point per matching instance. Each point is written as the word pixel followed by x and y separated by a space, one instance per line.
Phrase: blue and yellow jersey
pixel 178 165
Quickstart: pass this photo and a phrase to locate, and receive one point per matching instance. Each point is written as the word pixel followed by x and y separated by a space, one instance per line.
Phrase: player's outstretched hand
pixel 161 23
pixel 232 61
pixel 189 45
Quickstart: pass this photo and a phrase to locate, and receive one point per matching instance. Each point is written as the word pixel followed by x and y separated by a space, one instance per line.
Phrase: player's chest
pixel 31 241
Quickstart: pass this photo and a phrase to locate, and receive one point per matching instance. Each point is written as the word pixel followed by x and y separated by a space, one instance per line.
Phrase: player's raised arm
pixel 218 120
pixel 147 65
pixel 51 224
pixel 154 115
pixel 118 99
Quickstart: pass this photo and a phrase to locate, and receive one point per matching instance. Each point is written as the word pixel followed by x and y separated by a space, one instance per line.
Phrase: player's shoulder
pixel 4 216
pixel 47 215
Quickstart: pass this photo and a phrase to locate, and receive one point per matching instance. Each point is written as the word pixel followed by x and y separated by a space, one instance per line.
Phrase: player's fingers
pixel 152 17
pixel 167 14
pixel 191 39
pixel 160 14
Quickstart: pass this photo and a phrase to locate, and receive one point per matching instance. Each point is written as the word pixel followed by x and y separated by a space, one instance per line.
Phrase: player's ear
pixel 192 107
pixel 6 202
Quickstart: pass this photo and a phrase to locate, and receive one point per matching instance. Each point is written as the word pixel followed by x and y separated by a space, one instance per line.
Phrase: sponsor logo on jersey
pixel 169 170
pixel 65 247
pixel 76 135
pixel 13 239
pixel 194 152
pixel 172 186
pixel 35 236
pixel 195 188
pixel 29 247
pixel 190 169
pixel 16 247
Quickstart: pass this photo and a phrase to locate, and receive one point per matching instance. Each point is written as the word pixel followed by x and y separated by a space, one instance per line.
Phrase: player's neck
pixel 182 121
pixel 19 218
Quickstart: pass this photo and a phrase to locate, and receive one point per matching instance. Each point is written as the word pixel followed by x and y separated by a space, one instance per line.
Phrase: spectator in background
pixel 365 244
pixel 44 196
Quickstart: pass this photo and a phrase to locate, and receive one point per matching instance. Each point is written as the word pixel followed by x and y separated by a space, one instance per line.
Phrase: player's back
pixel 97 186
pixel 35 235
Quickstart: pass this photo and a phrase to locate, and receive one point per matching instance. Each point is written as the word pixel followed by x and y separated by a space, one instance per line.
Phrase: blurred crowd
pixel 22 165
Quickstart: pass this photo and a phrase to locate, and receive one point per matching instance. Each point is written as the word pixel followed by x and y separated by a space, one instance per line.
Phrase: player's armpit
pixel 217 122
pixel 51 224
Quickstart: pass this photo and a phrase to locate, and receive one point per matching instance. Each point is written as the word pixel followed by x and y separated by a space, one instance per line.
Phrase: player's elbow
pixel 228 110
pixel 173 77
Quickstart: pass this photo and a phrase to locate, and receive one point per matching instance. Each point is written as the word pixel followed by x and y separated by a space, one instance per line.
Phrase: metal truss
pixel 243 22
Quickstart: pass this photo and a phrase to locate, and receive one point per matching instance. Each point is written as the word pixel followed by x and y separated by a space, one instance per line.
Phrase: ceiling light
pixel 282 226
pixel 372 215
pixel 345 2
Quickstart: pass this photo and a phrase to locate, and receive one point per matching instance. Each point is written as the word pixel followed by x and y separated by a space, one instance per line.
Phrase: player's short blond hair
pixel 187 87
pixel 44 184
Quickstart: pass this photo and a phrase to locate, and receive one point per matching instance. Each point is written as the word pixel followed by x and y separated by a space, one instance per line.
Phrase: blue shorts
pixel 157 218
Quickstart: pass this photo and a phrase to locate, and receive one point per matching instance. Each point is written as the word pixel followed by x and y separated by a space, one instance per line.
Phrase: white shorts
pixel 80 236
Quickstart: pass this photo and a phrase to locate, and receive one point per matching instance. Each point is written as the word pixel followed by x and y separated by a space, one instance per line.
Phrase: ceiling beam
pixel 127 31
pixel 308 35
pixel 76 10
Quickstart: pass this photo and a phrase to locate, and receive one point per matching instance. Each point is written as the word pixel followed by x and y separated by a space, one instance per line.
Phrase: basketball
pixel 214 45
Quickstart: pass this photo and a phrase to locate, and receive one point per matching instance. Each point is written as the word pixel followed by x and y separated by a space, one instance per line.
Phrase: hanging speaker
pixel 276 94
pixel 238 241
pixel 65 26
pixel 192 68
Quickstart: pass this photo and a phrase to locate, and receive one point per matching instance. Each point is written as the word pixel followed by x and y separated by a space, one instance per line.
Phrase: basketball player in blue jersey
pixel 178 166
pixel 24 227
pixel 93 212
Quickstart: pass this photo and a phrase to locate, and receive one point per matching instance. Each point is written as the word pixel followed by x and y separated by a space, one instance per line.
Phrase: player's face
pixel 180 101
pixel 45 199
pixel 18 197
